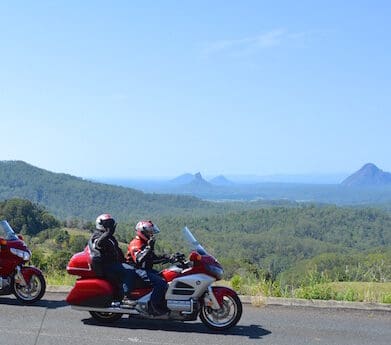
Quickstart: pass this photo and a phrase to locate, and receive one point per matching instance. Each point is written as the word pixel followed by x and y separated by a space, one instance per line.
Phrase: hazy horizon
pixel 316 178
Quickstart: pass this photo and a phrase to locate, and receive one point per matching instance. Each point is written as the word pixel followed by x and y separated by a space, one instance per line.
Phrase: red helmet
pixel 145 229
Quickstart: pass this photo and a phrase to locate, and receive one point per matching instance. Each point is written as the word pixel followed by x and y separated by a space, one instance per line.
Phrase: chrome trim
pixel 215 305
pixel 19 276
pixel 117 310
pixel 191 308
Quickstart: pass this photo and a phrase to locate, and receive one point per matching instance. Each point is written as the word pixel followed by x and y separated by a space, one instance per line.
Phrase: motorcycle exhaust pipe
pixel 117 310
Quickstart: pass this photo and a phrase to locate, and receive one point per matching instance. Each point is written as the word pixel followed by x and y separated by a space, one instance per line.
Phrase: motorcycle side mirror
pixel 20 237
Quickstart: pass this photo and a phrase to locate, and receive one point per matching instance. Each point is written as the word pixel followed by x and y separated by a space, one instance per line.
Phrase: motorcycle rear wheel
pixel 105 317
pixel 225 317
pixel 32 292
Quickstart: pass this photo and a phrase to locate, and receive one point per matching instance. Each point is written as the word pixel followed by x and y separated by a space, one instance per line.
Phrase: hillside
pixel 287 245
pixel 278 239
pixel 68 196
pixel 368 175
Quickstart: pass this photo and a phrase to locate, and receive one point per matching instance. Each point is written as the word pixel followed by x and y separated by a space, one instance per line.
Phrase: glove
pixel 151 243
pixel 172 258
pixel 111 229
pixel 166 258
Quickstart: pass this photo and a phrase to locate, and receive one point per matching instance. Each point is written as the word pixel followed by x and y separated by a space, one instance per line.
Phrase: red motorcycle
pixel 190 292
pixel 25 282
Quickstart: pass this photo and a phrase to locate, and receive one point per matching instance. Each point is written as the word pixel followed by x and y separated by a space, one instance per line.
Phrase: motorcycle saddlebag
pixel 91 292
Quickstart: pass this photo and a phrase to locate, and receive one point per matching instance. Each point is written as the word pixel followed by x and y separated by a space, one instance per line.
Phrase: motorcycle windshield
pixel 192 241
pixel 6 231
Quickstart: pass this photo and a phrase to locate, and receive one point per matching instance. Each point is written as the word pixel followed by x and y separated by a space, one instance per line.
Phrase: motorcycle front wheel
pixel 32 292
pixel 105 317
pixel 226 317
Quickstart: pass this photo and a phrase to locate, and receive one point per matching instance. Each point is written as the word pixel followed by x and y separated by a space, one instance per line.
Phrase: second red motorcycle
pixel 190 292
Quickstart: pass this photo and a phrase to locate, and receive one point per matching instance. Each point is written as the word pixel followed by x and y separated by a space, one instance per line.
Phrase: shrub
pixel 237 282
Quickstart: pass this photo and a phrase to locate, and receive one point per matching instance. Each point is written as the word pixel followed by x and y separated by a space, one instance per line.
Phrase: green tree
pixel 26 217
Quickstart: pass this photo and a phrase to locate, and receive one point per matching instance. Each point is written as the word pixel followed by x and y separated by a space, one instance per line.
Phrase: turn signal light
pixel 3 242
pixel 195 256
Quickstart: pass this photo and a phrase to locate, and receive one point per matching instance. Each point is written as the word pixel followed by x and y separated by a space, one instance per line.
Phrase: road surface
pixel 53 322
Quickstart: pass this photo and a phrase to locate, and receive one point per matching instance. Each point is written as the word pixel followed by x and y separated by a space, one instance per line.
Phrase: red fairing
pixel 28 271
pixel 221 291
pixel 169 275
pixel 87 289
pixel 80 265
pixel 199 265
pixel 8 260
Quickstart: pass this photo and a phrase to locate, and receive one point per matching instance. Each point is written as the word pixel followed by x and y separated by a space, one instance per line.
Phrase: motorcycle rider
pixel 107 257
pixel 141 254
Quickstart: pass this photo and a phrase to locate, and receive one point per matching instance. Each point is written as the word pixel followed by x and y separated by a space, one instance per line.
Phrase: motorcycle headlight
pixel 215 271
pixel 25 255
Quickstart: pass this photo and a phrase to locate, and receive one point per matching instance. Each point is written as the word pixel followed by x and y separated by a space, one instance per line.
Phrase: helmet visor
pixel 155 230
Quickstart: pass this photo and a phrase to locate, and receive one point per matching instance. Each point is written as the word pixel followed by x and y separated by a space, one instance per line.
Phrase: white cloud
pixel 250 45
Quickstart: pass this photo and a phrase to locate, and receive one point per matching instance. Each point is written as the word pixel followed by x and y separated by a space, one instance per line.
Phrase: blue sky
pixel 160 88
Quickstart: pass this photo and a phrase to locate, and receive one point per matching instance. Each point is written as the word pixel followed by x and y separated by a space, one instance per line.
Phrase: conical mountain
pixel 368 175
pixel 183 179
pixel 221 181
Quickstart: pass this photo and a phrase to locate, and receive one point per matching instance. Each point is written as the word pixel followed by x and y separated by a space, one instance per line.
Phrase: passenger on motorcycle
pixel 107 257
pixel 141 254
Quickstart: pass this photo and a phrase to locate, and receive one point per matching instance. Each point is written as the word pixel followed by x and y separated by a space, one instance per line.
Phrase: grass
pixel 363 291
pixel 59 278
pixel 347 291
pixel 339 291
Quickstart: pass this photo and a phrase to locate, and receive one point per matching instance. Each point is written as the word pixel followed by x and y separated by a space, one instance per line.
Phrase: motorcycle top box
pixel 80 265
pixel 190 292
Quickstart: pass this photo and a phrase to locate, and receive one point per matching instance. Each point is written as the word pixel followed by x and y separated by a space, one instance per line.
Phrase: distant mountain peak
pixel 198 176
pixel 183 179
pixel 198 180
pixel 221 181
pixel 370 167
pixel 189 180
pixel 368 175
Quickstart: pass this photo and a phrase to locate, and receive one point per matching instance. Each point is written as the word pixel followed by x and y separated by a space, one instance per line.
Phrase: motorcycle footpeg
pixel 115 304
pixel 129 302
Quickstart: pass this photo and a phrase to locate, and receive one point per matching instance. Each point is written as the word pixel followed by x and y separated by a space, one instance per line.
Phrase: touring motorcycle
pixel 190 291
pixel 27 283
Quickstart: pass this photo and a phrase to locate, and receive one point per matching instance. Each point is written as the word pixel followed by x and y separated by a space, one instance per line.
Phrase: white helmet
pixel 104 221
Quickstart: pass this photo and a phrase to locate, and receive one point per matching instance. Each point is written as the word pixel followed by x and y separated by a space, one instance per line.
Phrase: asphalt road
pixel 52 321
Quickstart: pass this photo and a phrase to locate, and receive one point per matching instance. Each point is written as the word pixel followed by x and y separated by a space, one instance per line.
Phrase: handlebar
pixel 180 260
pixel 177 257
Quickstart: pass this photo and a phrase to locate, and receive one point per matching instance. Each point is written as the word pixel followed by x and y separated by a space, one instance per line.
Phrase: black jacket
pixel 104 250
